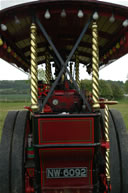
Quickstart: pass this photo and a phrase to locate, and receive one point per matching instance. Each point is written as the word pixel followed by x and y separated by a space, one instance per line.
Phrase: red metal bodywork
pixel 66 130
pixel 68 101
pixel 54 133
pixel 66 158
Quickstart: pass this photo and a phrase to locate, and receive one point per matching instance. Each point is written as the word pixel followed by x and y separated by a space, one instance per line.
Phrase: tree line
pixel 14 87
pixel 108 89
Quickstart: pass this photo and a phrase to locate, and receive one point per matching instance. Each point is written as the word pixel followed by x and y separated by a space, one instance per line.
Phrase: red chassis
pixel 65 149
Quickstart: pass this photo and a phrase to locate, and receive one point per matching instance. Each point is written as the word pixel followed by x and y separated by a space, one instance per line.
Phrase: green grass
pixel 14 97
pixel 9 106
pixel 123 108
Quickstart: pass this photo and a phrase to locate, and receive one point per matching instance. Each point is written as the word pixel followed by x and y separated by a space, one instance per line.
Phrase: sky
pixel 115 71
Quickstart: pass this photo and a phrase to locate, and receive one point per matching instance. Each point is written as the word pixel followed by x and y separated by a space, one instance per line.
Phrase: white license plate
pixel 76 172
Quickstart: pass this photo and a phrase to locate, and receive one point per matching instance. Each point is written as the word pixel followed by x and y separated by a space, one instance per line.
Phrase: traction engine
pixel 71 152
pixel 67 145
pixel 68 140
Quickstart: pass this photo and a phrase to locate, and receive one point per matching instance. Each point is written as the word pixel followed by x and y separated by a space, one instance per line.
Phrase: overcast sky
pixel 115 71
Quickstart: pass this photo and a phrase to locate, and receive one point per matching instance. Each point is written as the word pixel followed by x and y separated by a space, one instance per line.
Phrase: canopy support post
pixel 77 69
pixel 34 73
pixel 95 67
pixel 107 152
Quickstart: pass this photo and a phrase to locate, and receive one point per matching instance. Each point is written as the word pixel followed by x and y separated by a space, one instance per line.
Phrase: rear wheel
pixel 13 152
pixel 5 151
pixel 18 153
pixel 122 139
pixel 114 156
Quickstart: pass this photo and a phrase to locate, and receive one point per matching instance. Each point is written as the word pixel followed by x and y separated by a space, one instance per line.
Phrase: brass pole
pixel 107 153
pixel 95 66
pixel 77 69
pixel 34 73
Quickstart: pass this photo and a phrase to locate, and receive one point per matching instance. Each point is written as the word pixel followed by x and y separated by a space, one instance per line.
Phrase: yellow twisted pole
pixel 106 122
pixel 34 73
pixel 77 69
pixel 95 66
pixel 107 153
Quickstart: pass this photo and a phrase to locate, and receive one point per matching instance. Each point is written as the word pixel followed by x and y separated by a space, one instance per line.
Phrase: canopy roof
pixel 63 21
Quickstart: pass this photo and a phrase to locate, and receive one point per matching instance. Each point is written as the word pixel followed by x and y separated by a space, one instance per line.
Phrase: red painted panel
pixel 66 130
pixel 66 158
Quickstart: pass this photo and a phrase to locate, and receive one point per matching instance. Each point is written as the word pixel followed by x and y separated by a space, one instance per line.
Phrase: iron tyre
pixel 18 153
pixel 5 151
pixel 114 157
pixel 122 138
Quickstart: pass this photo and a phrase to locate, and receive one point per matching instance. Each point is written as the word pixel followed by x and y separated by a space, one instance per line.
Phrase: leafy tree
pixel 86 85
pixel 126 87
pixel 105 89
pixel 108 89
pixel 118 92
pixel 119 83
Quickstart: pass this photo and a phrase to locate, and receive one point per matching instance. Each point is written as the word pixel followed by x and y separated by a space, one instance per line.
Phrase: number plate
pixel 76 172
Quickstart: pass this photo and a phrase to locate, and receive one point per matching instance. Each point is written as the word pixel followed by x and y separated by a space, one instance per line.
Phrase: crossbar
pixel 64 64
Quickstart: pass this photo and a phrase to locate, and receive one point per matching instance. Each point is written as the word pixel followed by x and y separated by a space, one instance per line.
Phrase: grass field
pixel 10 106
pixel 5 107
pixel 14 97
